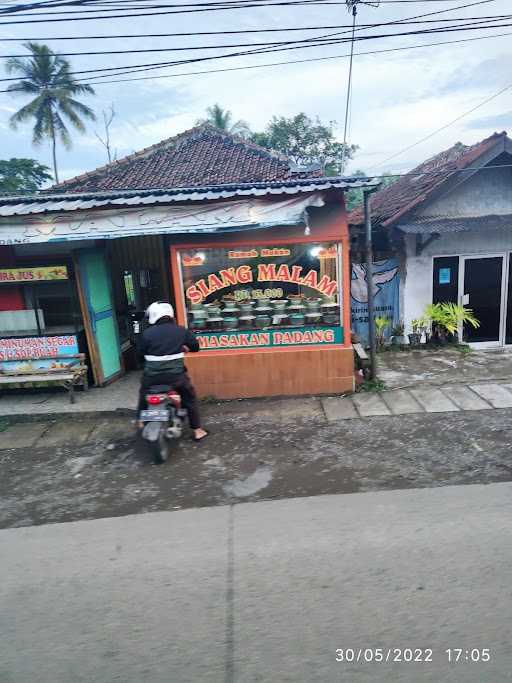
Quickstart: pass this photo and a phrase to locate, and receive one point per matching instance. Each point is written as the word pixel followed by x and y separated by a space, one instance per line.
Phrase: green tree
pixel 223 120
pixel 22 176
pixel 355 197
pixel 48 78
pixel 306 141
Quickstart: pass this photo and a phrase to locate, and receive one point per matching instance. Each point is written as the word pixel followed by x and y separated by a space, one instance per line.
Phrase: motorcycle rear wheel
pixel 160 448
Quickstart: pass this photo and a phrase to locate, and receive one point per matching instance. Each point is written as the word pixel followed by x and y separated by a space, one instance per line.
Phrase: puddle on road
pixel 255 482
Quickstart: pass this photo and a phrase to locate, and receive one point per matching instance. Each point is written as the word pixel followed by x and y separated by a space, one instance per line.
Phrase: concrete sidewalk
pixel 265 592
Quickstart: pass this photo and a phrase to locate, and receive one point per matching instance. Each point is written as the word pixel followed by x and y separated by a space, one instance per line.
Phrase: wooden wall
pixel 287 372
pixel 147 252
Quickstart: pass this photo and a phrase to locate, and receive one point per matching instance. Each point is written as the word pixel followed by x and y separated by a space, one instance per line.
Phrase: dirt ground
pixel 90 468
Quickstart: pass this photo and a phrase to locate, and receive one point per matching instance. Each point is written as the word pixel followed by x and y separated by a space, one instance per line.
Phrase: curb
pixel 57 417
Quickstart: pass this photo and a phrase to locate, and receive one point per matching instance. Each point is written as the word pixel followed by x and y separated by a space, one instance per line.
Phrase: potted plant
pixel 455 315
pixel 381 325
pixel 397 338
pixel 417 331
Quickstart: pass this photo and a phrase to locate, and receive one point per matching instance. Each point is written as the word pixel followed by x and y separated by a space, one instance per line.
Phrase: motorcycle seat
pixel 159 389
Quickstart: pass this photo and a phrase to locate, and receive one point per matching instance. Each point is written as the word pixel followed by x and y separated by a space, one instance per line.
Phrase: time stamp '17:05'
pixel 453 655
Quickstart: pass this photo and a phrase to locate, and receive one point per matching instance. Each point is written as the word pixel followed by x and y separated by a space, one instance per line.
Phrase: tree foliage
pixel 306 142
pixel 355 197
pixel 223 120
pixel 48 79
pixel 22 176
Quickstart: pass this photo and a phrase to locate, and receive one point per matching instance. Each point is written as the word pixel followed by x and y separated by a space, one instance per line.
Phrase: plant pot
pixel 397 340
pixel 414 339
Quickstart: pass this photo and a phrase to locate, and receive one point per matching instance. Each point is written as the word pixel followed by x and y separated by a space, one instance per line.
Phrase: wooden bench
pixel 74 374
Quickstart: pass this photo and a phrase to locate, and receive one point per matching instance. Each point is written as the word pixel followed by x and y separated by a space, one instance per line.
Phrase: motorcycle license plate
pixel 155 415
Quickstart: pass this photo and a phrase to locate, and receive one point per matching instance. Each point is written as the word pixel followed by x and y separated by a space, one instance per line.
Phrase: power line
pixel 320 41
pixel 240 4
pixel 288 62
pixel 314 40
pixel 186 34
pixel 447 125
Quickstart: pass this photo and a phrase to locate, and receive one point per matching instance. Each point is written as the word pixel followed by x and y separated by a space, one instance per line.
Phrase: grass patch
pixel 371 385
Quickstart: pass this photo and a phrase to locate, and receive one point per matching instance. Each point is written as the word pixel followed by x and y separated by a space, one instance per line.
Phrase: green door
pixel 97 292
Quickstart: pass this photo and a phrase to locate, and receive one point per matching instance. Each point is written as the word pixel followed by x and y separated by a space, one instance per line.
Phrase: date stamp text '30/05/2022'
pixel 452 655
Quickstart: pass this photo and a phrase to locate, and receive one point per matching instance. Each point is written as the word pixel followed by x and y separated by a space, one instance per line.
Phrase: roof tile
pixel 198 157
pixel 393 201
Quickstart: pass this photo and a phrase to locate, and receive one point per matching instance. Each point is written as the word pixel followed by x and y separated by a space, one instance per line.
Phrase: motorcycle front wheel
pixel 160 448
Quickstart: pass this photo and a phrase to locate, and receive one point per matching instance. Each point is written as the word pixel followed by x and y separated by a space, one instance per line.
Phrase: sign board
pixel 263 296
pixel 39 274
pixel 23 354
pixel 271 338
pixel 210 217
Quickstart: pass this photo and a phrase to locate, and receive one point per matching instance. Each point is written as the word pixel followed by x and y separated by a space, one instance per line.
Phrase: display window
pixel 263 296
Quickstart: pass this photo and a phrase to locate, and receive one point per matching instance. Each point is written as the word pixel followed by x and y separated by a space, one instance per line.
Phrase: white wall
pixel 417 280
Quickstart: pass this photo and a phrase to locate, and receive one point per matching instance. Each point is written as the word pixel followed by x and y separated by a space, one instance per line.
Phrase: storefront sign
pixel 271 338
pixel 263 272
pixel 209 217
pixel 22 354
pixel 39 274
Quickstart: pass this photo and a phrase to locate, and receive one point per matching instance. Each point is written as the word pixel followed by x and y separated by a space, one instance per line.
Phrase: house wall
pixel 485 193
pixel 417 282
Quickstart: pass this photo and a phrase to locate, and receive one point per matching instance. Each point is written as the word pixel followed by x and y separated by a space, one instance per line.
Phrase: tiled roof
pixel 196 158
pixel 394 201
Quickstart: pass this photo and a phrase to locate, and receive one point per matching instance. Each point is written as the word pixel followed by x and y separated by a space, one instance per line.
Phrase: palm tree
pixel 48 77
pixel 222 119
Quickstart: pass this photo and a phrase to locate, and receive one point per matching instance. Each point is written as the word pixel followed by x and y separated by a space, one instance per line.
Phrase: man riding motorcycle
pixel 163 345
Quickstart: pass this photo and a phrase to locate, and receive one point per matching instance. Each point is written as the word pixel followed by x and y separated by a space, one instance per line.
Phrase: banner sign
pixel 386 292
pixel 23 354
pixel 209 217
pixel 14 275
pixel 271 338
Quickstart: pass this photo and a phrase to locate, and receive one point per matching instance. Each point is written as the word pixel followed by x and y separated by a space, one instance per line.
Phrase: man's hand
pixel 185 349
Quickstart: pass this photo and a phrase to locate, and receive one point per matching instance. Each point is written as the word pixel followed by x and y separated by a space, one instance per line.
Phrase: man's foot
pixel 200 434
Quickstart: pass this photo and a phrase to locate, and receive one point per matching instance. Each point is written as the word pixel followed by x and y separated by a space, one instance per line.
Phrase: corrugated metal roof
pixel 428 226
pixel 42 203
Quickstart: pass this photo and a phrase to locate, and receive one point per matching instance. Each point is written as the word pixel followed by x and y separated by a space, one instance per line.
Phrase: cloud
pixel 499 122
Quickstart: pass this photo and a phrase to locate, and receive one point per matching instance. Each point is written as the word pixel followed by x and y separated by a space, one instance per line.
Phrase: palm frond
pixel 78 107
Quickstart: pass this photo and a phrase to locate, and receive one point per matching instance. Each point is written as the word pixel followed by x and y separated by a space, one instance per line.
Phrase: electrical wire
pixel 272 47
pixel 250 4
pixel 288 62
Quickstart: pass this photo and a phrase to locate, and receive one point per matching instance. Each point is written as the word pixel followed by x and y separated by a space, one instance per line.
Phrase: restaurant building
pixel 252 252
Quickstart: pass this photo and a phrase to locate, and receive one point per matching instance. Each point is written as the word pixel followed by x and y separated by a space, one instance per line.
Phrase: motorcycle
pixel 163 420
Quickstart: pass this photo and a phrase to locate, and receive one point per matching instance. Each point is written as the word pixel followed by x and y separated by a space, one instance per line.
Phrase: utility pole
pixel 369 281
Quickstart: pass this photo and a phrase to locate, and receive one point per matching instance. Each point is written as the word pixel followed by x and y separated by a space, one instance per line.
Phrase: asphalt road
pixel 265 591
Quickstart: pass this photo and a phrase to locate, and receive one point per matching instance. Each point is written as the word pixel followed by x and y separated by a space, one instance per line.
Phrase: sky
pixel 398 97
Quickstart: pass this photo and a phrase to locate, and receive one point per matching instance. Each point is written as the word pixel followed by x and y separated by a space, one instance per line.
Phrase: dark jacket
pixel 162 347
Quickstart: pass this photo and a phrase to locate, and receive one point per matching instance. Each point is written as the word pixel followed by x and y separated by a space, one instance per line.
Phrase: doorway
pixel 483 291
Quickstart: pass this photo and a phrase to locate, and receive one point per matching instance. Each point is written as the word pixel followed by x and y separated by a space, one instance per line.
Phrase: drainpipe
pixel 369 281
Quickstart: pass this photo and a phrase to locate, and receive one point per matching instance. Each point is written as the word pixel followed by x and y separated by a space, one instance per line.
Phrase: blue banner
pixel 386 292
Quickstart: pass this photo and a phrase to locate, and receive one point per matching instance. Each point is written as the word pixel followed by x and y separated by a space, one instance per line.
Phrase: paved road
pixel 263 591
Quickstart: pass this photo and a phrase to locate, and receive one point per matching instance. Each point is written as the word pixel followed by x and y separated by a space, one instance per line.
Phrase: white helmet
pixel 158 310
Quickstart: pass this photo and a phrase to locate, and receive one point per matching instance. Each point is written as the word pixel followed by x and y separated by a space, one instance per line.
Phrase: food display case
pixel 271 315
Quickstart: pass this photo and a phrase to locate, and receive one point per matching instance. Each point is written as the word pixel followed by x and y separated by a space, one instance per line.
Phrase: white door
pixel 482 283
